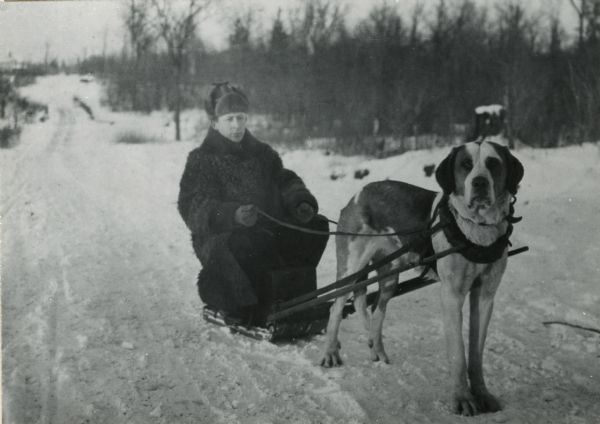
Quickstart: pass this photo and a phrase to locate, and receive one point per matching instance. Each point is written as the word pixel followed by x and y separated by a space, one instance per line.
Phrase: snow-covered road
pixel 101 322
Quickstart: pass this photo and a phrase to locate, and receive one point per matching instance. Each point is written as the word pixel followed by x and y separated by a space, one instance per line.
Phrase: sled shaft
pixel 354 276
pixel 518 250
pixel 360 284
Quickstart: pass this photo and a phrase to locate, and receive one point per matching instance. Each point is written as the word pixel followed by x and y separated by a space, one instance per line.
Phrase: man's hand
pixel 304 212
pixel 246 215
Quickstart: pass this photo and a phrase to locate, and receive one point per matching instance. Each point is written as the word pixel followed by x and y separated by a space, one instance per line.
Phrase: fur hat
pixel 231 103
pixel 225 98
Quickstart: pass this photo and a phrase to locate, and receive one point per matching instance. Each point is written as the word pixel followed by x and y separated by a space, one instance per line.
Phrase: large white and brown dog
pixel 479 180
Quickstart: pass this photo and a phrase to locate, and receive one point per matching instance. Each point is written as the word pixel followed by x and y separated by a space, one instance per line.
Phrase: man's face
pixel 232 125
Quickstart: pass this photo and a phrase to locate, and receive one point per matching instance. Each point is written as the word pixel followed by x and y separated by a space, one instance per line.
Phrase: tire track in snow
pixel 35 330
pixel 58 298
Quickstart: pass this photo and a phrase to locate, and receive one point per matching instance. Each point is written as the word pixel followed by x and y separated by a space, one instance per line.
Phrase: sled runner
pixel 284 285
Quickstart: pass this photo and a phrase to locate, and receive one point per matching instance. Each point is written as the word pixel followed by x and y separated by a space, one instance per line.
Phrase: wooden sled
pixel 296 309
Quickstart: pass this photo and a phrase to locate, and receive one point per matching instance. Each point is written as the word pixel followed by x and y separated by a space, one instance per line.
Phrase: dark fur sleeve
pixel 199 202
pixel 292 188
pixel 294 192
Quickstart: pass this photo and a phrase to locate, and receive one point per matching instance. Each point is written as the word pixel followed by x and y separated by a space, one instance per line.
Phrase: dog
pixel 478 182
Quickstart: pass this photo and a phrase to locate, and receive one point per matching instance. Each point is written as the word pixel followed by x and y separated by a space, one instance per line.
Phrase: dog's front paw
pixel 464 403
pixel 331 358
pixel 486 402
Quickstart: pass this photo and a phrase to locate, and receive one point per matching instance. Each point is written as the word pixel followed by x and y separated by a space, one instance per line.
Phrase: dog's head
pixel 480 172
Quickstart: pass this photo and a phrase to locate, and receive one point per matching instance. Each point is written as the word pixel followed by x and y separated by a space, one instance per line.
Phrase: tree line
pixel 390 74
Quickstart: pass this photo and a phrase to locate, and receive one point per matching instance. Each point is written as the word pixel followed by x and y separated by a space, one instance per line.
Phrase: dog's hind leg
pixel 386 291
pixel 331 354
pixel 352 255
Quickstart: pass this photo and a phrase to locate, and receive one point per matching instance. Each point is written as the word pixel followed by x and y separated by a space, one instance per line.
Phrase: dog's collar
pixel 471 251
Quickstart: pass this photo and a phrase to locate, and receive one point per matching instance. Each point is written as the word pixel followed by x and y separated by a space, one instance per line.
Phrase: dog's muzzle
pixel 480 193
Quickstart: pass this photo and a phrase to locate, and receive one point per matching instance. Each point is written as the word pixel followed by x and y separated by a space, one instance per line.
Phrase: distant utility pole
pixel 46 56
pixel 104 36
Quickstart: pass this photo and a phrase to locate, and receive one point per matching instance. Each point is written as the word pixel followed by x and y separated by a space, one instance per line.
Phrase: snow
pixel 491 109
pixel 101 321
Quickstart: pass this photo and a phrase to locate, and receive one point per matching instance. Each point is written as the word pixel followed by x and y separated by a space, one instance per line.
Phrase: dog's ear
pixel 514 169
pixel 514 173
pixel 444 174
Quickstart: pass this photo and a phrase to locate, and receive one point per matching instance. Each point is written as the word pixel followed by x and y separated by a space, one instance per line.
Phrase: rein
pixel 441 209
pixel 407 232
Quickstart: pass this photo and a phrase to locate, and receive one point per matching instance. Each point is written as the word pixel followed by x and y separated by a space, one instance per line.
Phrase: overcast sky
pixel 71 29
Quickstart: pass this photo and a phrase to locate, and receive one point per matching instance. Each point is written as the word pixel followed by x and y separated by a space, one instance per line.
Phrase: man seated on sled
pixel 225 182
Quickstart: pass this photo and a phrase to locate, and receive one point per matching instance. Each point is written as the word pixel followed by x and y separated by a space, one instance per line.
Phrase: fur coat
pixel 220 176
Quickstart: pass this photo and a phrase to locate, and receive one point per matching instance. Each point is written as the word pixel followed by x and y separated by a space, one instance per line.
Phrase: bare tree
pixel 177 28
pixel 516 38
pixel 385 37
pixel 137 22
pixel 593 19
pixel 319 24
pixel 583 75
pixel 588 15
pixel 581 7
pixel 141 38
pixel 416 18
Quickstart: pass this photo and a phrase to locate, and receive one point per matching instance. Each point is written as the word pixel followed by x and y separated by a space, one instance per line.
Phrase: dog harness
pixel 471 251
